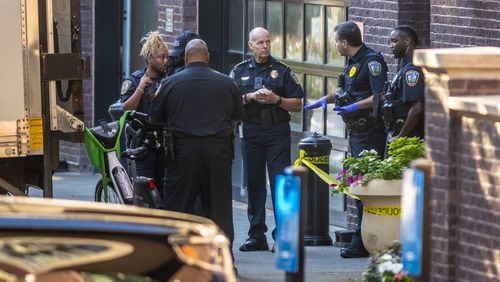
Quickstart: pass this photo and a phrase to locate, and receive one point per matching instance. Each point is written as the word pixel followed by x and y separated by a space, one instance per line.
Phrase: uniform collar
pixel 196 64
pixel 359 54
pixel 269 62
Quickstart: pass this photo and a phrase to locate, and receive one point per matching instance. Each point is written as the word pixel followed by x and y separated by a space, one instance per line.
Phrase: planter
pixel 381 222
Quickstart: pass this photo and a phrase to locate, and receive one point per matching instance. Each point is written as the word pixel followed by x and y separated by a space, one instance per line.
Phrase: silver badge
pixel 125 86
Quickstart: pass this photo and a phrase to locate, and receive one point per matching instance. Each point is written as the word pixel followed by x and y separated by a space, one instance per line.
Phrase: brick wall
pixel 477 242
pixel 73 153
pixel 465 150
pixel 460 23
pixel 185 17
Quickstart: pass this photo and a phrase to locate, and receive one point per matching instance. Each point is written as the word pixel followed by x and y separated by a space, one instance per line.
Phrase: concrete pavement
pixel 323 263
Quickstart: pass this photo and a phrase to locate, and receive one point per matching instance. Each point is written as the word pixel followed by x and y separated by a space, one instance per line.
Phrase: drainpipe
pixel 127 19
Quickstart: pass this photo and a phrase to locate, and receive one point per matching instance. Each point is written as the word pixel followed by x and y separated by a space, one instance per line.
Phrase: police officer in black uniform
pixel 176 58
pixel 137 94
pixel 360 83
pixel 404 101
pixel 270 90
pixel 199 105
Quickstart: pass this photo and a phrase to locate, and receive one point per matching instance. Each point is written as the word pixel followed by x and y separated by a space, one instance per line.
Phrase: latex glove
pixel 346 109
pixel 320 103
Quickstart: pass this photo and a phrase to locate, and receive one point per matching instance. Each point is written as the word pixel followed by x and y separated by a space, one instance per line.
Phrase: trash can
pixel 317 150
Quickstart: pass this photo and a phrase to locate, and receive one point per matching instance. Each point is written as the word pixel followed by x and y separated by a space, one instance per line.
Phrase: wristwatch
pixel 279 101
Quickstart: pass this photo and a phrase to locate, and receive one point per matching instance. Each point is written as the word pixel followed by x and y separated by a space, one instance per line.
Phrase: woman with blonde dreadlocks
pixel 137 94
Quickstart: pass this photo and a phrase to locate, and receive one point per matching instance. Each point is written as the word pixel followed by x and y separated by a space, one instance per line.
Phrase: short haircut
pixel 410 32
pixel 350 32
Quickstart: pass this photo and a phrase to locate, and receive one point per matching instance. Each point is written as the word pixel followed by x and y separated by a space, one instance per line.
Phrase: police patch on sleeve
pixel 126 86
pixel 294 77
pixel 412 77
pixel 375 68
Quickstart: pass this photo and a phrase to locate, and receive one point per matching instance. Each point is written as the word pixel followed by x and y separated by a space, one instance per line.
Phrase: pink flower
pixel 342 173
pixel 333 185
pixel 351 180
pixel 400 276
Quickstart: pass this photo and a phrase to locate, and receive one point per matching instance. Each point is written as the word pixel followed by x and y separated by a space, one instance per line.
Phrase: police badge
pixel 412 77
pixel 375 68
pixel 352 71
pixel 274 74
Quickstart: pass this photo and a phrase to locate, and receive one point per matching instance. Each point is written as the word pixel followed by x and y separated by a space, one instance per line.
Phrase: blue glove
pixel 320 103
pixel 346 109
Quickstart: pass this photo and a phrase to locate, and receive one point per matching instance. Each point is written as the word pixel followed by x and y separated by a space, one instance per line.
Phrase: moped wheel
pixel 108 194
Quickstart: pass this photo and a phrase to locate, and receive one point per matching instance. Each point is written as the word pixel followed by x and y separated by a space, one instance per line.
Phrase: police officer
pixel 176 58
pixel 363 79
pixel 404 101
pixel 270 90
pixel 199 105
pixel 137 94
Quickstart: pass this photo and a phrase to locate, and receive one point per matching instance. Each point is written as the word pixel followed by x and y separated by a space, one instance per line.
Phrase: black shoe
pixel 253 244
pixel 354 253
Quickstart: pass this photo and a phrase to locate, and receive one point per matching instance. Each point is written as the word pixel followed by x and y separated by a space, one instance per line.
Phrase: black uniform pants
pixel 261 149
pixel 202 169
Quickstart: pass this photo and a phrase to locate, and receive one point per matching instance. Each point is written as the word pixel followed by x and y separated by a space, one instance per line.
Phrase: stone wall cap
pixel 488 106
pixel 462 58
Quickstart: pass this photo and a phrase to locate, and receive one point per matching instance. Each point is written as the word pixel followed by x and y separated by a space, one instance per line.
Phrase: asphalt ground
pixel 322 263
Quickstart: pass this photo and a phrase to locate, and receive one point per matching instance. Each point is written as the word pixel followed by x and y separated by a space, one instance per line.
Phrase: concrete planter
pixel 381 212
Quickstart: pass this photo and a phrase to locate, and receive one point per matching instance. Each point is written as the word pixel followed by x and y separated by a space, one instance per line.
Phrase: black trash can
pixel 317 149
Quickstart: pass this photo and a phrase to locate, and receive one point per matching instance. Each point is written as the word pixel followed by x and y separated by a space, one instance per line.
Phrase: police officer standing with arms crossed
pixel 199 105
pixel 363 79
pixel 404 101
pixel 270 90
pixel 137 94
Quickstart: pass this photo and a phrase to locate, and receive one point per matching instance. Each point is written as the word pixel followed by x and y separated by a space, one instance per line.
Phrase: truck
pixel 41 83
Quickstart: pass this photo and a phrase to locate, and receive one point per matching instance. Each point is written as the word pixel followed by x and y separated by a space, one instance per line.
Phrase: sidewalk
pixel 322 263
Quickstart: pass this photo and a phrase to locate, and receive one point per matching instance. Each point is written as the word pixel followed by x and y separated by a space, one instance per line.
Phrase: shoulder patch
pixel 126 86
pixel 294 77
pixel 412 77
pixel 375 68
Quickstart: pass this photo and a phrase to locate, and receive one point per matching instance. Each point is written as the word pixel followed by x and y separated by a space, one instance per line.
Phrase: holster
pixel 168 144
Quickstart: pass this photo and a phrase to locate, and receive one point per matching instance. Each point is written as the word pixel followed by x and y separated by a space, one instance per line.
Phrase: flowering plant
pixel 369 165
pixel 386 266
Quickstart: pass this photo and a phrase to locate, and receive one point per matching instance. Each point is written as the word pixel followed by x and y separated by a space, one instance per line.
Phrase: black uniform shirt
pixel 129 86
pixel 407 87
pixel 365 73
pixel 198 101
pixel 273 74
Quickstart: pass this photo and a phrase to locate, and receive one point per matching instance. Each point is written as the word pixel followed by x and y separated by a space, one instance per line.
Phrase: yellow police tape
pixel 321 174
pixel 384 210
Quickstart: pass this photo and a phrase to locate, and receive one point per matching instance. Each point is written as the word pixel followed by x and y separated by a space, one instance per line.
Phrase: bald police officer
pixel 199 106
pixel 270 90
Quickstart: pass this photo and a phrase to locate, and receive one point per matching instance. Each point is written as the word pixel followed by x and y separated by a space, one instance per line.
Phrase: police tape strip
pixel 321 174
pixel 384 210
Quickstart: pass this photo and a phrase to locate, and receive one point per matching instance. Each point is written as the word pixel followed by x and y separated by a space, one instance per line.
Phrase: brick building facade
pixel 440 24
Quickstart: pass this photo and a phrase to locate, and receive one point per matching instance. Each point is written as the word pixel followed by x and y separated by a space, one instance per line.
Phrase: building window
pixel 302 36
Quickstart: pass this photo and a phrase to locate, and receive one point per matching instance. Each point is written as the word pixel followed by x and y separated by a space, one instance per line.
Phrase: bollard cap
pixel 315 138
pixel 316 145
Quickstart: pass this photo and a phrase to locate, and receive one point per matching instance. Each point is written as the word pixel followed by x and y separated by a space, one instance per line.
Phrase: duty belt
pixel 360 124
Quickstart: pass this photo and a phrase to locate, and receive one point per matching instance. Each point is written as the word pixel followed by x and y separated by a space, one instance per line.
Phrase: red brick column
pixel 185 17
pixel 462 140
